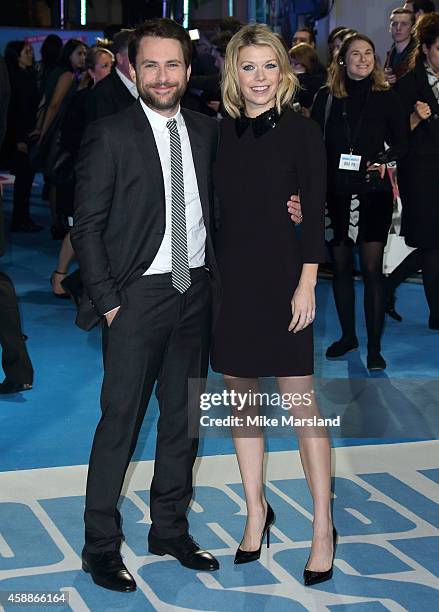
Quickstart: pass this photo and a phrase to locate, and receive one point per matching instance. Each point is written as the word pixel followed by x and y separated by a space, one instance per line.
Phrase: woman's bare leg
pixel 249 446
pixel 65 258
pixel 315 455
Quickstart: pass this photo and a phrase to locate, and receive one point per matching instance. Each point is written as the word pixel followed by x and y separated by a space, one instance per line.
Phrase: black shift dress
pixel 259 250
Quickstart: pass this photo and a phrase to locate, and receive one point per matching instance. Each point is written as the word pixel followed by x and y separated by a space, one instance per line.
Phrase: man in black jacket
pixel 117 91
pixel 143 235
pixel 15 359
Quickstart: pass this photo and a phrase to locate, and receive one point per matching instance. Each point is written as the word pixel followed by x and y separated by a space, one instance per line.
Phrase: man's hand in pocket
pixel 110 315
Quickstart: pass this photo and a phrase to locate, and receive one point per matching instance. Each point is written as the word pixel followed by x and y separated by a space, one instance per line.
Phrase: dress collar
pixel 261 124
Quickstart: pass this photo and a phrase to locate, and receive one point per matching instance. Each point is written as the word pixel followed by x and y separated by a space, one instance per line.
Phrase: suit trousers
pixel 15 359
pixel 158 335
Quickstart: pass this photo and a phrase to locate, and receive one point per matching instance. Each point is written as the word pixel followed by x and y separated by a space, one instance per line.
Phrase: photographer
pixel 358 112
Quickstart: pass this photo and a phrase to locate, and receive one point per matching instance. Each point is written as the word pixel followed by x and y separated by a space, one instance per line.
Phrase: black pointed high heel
pixel 246 556
pixel 310 577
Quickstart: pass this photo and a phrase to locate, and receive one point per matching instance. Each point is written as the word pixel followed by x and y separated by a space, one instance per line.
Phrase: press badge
pixel 349 162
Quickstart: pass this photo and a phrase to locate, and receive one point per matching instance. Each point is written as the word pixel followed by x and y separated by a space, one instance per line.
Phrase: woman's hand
pixel 423 110
pixel 303 306
pixel 22 147
pixel 295 209
pixel 381 168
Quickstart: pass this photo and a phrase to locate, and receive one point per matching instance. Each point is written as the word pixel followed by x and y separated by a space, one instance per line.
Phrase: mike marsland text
pixel 264 421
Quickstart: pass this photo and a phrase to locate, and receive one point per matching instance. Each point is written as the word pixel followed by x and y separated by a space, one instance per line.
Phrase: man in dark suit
pixel 143 235
pixel 117 91
pixel 15 359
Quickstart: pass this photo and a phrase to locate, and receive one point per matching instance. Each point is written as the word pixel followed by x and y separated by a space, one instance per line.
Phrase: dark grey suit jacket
pixel 108 97
pixel 120 203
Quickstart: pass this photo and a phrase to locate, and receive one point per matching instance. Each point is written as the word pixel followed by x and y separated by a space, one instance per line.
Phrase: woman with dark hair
pixel 64 79
pixel 310 73
pixel 50 50
pixel 418 170
pixel 98 63
pixel 22 120
pixel 358 113
pixel 61 85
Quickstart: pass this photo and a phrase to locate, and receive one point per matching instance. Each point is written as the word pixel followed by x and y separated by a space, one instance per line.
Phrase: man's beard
pixel 158 102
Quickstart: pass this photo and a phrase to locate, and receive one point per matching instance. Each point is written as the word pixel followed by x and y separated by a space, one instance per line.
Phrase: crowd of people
pixel 180 259
pixel 54 100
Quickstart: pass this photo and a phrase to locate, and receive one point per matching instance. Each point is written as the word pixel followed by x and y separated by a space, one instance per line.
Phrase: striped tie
pixel 181 279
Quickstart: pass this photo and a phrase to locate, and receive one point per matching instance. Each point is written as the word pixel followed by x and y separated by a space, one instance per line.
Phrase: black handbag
pixel 362 182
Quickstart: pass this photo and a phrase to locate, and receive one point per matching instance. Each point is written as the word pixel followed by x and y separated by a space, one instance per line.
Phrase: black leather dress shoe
pixel 7 386
pixel 185 550
pixel 108 570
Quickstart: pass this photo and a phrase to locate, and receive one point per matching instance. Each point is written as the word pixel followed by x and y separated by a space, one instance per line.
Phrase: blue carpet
pixel 386 493
pixel 37 426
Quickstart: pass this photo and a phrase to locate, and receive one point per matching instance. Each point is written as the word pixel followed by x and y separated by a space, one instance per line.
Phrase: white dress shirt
pixel 132 88
pixel 196 231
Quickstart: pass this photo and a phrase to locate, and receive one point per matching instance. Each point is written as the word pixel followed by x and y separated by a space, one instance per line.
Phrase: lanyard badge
pixel 349 161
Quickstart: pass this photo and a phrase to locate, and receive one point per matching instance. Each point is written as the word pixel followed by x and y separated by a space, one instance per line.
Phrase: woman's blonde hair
pixel 256 34
pixel 337 70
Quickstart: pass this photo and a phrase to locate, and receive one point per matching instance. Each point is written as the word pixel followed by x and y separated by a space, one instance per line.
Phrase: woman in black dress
pixel 98 63
pixel 61 85
pixel 418 170
pixel 358 113
pixel 22 119
pixel 268 271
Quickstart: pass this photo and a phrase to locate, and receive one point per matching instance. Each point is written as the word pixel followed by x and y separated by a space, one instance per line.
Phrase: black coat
pixel 310 83
pixel 418 170
pixel 414 87
pixel 120 203
pixel 25 97
pixel 4 102
pixel 108 97
pixel 5 94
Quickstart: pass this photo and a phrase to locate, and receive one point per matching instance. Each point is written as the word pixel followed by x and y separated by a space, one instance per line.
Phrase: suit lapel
pixel 201 157
pixel 120 88
pixel 147 147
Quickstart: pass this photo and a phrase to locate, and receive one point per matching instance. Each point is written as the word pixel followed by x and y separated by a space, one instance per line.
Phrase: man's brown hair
pixel 161 27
